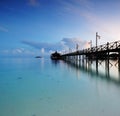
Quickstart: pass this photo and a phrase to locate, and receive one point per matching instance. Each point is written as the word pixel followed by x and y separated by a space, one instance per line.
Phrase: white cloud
pixel 45 48
pixel 65 44
pixel 42 50
pixel 72 42
pixel 17 52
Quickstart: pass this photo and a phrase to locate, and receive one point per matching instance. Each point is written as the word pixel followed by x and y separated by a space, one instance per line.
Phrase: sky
pixel 40 27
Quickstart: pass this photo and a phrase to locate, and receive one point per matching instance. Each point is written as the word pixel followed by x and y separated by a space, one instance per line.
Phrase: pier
pixel 98 54
pixel 97 51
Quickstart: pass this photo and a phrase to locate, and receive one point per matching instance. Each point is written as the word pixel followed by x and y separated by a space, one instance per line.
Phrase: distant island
pixel 38 56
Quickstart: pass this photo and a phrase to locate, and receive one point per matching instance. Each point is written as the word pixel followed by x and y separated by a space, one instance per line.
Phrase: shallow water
pixel 41 87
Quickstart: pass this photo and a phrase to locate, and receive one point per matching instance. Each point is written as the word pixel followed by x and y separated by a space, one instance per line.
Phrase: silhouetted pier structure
pixel 99 53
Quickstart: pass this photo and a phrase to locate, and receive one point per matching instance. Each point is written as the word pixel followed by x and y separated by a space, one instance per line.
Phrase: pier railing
pixel 109 47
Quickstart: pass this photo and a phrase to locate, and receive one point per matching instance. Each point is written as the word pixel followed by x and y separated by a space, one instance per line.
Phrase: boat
pixel 55 56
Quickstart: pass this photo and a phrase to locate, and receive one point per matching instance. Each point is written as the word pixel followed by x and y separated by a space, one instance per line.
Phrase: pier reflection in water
pixel 95 87
pixel 103 69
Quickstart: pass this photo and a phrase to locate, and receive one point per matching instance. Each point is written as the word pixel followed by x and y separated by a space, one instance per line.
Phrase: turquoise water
pixel 41 87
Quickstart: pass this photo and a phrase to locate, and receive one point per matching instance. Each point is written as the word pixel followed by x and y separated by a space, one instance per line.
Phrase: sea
pixel 44 87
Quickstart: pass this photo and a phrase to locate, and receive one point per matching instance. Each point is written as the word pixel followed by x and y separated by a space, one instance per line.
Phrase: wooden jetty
pixel 104 49
pixel 101 52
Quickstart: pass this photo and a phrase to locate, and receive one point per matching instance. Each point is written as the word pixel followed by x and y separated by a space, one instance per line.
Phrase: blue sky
pixel 38 27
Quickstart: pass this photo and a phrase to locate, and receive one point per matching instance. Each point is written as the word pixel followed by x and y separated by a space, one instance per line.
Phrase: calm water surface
pixel 41 87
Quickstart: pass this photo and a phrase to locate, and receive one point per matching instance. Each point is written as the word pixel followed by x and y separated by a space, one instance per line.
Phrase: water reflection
pixel 97 68
pixel 55 62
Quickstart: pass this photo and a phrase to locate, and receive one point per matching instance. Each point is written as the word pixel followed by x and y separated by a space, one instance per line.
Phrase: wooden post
pixel 82 60
pixel 107 68
pixel 97 66
pixel 107 61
